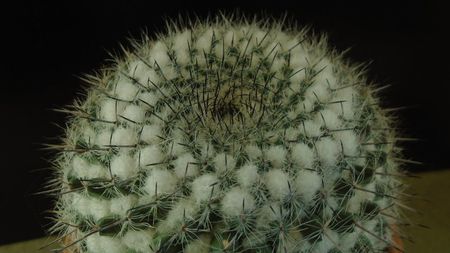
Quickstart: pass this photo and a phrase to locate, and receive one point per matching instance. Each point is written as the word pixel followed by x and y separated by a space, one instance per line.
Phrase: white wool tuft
pixel 288 42
pixel 99 208
pixel 103 138
pixel 253 152
pixel 80 203
pixel 296 80
pixel 122 204
pixel 163 115
pixel 93 243
pixel 150 134
pixel 160 181
pixel 328 118
pixel 83 169
pixel 134 113
pixel 150 98
pixel 302 155
pixel 200 245
pixel 260 37
pixel 176 148
pixel 328 151
pixel 359 196
pixel 326 76
pixel 139 240
pixel 183 209
pixel 277 182
pixel 328 242
pixel 348 110
pixel 267 213
pixel 292 114
pixel 204 43
pixel 169 72
pixel 229 37
pixel 204 187
pixel 291 134
pixel 79 165
pixel 180 45
pixel 124 137
pixel 185 165
pixel 310 128
pixel 124 166
pixel 318 91
pixel 247 175
pixel 158 55
pixel 237 201
pixel 348 93
pixel 108 110
pixel 299 56
pixel 125 89
pixel 97 171
pixel 143 74
pixel 305 106
pixel 277 64
pixel 104 244
pixel 345 108
pixel 224 162
pixel 348 240
pixel 307 183
pixel 276 155
pixel 95 207
pixel 244 41
pixel 361 161
pixel 271 49
pixel 88 135
pixel 350 142
pixel 149 156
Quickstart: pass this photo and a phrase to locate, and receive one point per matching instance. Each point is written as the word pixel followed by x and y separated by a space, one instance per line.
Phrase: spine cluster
pixel 230 136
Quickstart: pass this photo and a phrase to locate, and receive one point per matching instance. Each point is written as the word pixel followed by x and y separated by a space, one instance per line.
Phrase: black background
pixel 47 46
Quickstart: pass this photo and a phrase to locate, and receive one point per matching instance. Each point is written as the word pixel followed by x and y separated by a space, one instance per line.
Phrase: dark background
pixel 48 45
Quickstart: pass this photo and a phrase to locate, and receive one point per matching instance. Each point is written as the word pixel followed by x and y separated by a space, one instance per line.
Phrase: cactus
pixel 229 135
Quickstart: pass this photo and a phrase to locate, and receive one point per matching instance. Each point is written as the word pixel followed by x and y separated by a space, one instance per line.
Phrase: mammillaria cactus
pixel 229 136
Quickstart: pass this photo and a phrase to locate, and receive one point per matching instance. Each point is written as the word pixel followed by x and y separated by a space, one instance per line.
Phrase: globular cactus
pixel 229 136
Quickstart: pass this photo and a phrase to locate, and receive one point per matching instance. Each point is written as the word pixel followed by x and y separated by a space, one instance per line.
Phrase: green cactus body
pixel 231 136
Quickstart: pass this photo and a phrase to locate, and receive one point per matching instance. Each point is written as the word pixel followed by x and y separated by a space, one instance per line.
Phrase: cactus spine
pixel 228 136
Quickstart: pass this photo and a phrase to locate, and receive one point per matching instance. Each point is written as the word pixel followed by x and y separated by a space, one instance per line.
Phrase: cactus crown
pixel 228 136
